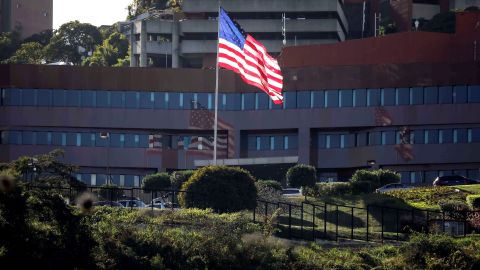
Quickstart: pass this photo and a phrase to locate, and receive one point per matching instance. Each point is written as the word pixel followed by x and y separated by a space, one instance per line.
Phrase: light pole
pixel 106 136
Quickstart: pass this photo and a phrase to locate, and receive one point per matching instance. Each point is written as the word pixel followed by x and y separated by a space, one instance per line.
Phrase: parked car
pixel 157 203
pixel 290 192
pixel 108 203
pixel 133 203
pixel 454 180
pixel 390 187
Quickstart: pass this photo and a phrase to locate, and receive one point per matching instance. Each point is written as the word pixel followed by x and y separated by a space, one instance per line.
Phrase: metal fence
pixel 311 221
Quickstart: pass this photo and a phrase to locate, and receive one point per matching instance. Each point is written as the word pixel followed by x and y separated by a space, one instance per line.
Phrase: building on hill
pixel 409 102
pixel 27 17
pixel 188 39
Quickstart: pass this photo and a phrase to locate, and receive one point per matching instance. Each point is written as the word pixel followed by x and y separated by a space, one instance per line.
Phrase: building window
pixel 431 95
pixel 388 96
pixel 318 99
pixel 445 95
pixel 44 97
pixel 460 94
pixel 346 98
pixel 147 100
pixel 28 97
pixel 342 141
pixel 331 98
pixel 474 94
pixel 272 143
pixel 445 136
pixel 248 101
pixel 416 96
pixel 431 136
pixel 402 96
pixel 72 98
pixel 58 98
pixel 290 101
pixel 103 99
pixel 285 143
pixel 475 135
pixel 117 99
pixel 258 143
pixel 359 98
pixel 122 180
pixel 28 138
pixel 261 101
pixel 88 98
pixel 373 97
pixel 136 181
pixel 304 99
pixel 132 100
pixel 93 180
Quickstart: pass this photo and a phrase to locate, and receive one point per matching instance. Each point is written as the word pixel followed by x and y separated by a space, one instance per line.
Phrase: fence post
pixel 382 210
pixel 301 221
pixel 313 221
pixel 289 221
pixel 325 220
pixel 368 215
pixel 352 224
pixel 465 213
pixel 131 198
pixel 336 224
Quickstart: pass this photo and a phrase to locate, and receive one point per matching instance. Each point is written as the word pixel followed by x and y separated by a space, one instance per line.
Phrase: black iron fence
pixel 312 221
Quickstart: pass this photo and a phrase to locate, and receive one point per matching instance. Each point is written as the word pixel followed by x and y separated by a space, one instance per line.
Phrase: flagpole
pixel 215 125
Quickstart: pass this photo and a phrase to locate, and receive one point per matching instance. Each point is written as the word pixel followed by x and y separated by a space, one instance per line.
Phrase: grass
pixel 474 189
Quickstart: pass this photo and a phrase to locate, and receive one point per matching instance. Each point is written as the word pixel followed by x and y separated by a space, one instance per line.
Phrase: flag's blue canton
pixel 229 31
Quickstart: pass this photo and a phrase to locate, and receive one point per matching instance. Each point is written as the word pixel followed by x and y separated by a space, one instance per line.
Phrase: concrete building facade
pixel 389 102
pixel 188 39
pixel 26 16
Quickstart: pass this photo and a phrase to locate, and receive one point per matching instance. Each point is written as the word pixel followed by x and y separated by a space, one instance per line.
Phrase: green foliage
pixel 114 48
pixel 224 189
pixel 177 178
pixel 110 192
pixel 442 22
pixel 269 190
pixel 429 197
pixel 376 178
pixel 9 43
pixel 260 184
pixel 66 41
pixel 155 182
pixel 43 37
pixel 454 209
pixel 28 53
pixel 339 189
pixel 301 175
pixel 474 201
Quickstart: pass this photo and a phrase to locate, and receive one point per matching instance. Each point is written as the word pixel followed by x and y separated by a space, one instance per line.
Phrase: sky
pixel 96 12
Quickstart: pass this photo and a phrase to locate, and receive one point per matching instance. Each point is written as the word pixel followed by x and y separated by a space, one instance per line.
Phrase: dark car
pixel 454 180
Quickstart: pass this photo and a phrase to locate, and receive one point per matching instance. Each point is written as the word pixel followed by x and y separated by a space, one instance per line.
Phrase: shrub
pixel 268 184
pixel 301 175
pixel 377 178
pixel 360 187
pixel 338 189
pixel 473 201
pixel 454 209
pixel 177 178
pixel 157 181
pixel 428 196
pixel 224 189
pixel 110 192
pixel 269 190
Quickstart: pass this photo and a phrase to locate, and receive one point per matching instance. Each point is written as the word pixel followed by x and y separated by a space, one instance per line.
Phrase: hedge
pixel 177 178
pixel 301 175
pixel 339 189
pixel 155 182
pixel 377 178
pixel 224 189
pixel 473 201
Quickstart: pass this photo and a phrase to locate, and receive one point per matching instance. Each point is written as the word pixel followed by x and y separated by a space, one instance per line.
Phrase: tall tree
pixel 72 41
pixel 9 43
pixel 28 53
pixel 115 47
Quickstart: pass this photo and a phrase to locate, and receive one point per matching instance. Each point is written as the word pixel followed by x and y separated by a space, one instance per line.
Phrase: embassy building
pixel 409 102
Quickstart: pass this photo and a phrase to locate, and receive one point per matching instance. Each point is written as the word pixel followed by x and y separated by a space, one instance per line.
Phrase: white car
pixel 290 192
pixel 390 187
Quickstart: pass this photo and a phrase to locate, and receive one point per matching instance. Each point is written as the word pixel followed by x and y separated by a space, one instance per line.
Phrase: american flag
pixel 244 55
pixel 204 119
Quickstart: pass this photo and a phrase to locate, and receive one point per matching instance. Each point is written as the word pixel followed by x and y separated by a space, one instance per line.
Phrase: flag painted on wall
pixel 244 55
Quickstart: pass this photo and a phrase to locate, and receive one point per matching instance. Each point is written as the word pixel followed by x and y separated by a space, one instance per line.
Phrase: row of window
pixel 272 142
pixel 420 177
pixel 102 179
pixel 126 140
pixel 390 137
pixel 242 101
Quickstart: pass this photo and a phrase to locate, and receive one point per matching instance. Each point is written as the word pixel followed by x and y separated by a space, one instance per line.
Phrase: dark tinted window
pixel 374 138
pixel 290 101
pixel 373 97
pixel 321 141
pixel 202 100
pixel 252 143
pixel 388 137
pixel 59 98
pixel 476 135
pixel 117 99
pixel 431 95
pixel 103 99
pixel 318 99
pixel 117 140
pixel 59 138
pixel 130 140
pixel 261 101
pixel 234 102
pixel 28 137
pixel 359 97
pixel 143 141
pixel 72 139
pixel 44 138
pixel 132 99
pixel 13 97
pixel 418 136
pixel 431 136
pixel 331 98
pixel 15 137
pixel 346 98
pixel 361 139
pixel 292 142
pixel 146 100
pixel 445 136
pixel 101 142
pixel 28 97
pixel 445 95
pixel 388 96
pixel 88 139
pixel 44 97
pixel 73 98
pixel 159 100
pixel 333 141
pixel 88 98
pixel 402 96
pixel 460 94
pixel 303 99
pixel 416 95
pixel 460 135
pixel 173 100
pixel 248 101
pixel 474 94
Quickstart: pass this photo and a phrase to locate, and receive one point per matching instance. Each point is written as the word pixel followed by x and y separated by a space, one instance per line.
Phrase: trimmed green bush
pixel 177 178
pixel 361 187
pixel 224 189
pixel 454 209
pixel 377 178
pixel 268 184
pixel 301 175
pixel 338 189
pixel 474 201
pixel 269 190
pixel 157 181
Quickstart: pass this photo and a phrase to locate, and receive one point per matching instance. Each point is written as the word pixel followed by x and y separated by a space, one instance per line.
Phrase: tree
pixel 442 22
pixel 9 43
pixel 72 41
pixel 155 182
pixel 28 53
pixel 301 175
pixel 224 189
pixel 114 48
pixel 43 37
pixel 177 178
